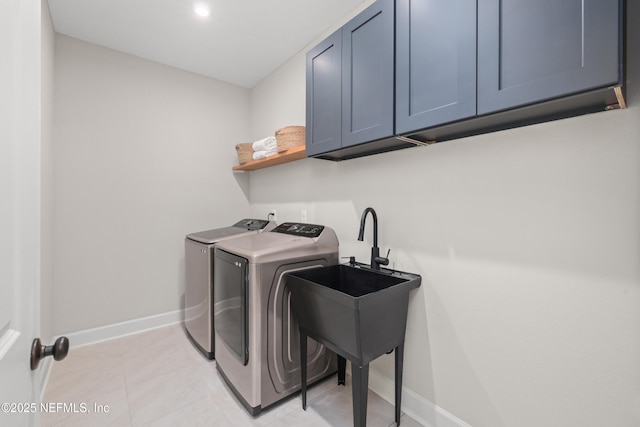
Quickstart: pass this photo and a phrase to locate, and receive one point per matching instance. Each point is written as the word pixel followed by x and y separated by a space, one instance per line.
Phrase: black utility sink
pixel 357 312
pixel 360 311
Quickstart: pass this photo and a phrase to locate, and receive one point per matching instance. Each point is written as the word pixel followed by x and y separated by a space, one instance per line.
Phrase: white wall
pixel 528 243
pixel 143 156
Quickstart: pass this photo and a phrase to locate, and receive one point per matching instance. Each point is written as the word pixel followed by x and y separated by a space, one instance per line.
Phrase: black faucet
pixel 376 259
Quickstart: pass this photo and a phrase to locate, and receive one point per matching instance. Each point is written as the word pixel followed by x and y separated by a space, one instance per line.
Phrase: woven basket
pixel 245 152
pixel 290 137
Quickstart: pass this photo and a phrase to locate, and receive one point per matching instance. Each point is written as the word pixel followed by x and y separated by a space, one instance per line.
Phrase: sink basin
pixel 358 313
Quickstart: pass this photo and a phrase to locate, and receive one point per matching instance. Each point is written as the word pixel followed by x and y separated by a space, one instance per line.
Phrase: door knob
pixel 58 350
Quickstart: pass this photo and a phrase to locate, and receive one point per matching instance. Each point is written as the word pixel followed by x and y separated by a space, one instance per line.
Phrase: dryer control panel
pixel 299 229
pixel 251 224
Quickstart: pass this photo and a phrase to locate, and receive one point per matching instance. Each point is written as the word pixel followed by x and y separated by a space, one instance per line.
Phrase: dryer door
pixel 231 279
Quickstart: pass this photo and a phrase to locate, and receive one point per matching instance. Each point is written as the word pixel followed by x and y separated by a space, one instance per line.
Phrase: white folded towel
pixel 261 154
pixel 266 144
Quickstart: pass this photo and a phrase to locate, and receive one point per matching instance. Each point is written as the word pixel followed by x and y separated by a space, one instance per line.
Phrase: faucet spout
pixel 363 220
pixel 376 260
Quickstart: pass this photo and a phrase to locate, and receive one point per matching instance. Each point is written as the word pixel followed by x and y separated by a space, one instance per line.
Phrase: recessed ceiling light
pixel 202 10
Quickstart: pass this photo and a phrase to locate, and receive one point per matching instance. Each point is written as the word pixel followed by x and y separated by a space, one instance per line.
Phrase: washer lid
pixel 245 226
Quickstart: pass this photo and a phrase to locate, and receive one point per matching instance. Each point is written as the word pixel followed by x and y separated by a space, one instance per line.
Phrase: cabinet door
pixel 530 51
pixel 323 96
pixel 435 62
pixel 367 75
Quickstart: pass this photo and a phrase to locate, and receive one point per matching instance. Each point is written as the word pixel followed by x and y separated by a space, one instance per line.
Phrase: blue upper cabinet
pixel 533 51
pixel 409 72
pixel 324 103
pixel 435 62
pixel 367 75
pixel 350 88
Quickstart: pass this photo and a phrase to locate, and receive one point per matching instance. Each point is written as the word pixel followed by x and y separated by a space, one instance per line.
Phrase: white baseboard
pixel 417 407
pixel 117 330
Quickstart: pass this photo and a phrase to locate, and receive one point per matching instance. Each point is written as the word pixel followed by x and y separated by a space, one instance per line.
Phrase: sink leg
pixel 303 368
pixel 342 368
pixel 399 357
pixel 359 391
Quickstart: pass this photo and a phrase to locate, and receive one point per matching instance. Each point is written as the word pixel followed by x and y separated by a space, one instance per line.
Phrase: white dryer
pixel 256 337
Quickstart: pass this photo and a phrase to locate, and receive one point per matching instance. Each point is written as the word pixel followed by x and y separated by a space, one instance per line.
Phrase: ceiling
pixel 242 42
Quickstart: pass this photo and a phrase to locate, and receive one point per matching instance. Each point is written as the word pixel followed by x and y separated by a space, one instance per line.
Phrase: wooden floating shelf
pixel 295 153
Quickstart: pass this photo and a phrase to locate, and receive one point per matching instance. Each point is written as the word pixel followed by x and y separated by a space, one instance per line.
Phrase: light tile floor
pixel 157 378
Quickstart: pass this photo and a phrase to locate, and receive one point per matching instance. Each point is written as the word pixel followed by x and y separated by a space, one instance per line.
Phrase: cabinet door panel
pixel 435 62
pixel 323 96
pixel 367 75
pixel 530 51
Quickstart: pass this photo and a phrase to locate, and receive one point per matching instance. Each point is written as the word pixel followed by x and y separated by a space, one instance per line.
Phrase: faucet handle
pixel 383 260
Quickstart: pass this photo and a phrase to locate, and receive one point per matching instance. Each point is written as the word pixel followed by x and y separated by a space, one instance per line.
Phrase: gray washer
pixel 257 339
pixel 198 294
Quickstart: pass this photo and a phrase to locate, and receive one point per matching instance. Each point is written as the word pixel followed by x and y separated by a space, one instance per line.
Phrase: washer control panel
pixel 299 229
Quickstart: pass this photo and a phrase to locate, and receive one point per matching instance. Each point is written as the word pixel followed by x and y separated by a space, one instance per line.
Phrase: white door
pixel 20 85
